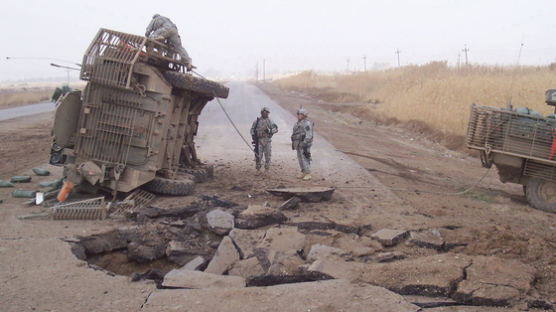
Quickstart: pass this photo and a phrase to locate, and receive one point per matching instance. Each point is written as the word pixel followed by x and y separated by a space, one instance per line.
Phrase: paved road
pixel 218 141
pixel 21 111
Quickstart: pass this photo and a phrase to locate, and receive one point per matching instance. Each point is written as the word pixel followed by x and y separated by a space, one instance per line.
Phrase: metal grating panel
pixel 540 170
pixel 108 126
pixel 498 130
pixel 111 55
pixel 89 209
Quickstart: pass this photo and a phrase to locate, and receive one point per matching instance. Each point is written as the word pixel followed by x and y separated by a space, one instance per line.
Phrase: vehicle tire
pixel 541 194
pixel 183 185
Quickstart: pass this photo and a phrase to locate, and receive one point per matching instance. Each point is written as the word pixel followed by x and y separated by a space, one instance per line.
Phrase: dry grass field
pixel 435 93
pixel 23 96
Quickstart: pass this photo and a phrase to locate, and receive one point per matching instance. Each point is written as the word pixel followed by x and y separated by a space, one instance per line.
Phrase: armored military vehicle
pixel 522 145
pixel 135 121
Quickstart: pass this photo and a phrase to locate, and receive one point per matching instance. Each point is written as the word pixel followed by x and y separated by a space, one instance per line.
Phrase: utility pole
pixel 257 71
pixel 364 63
pixel 264 70
pixel 465 50
pixel 347 65
pixel 398 53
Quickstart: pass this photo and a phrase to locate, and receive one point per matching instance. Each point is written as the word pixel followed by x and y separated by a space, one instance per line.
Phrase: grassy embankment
pixel 432 96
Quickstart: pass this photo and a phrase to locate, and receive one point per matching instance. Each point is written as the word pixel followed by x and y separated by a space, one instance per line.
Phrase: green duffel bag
pixel 20 179
pixel 6 184
pixel 23 194
pixel 41 172
pixel 54 184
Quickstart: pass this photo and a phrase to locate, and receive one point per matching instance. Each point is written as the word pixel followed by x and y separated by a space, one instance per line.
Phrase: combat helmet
pixel 265 109
pixel 302 111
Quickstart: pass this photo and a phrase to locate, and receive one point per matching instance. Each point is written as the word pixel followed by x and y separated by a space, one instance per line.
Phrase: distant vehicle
pixel 135 121
pixel 522 145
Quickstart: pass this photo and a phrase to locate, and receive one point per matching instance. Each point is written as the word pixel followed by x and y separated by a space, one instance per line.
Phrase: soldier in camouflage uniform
pixel 162 27
pixel 302 139
pixel 262 131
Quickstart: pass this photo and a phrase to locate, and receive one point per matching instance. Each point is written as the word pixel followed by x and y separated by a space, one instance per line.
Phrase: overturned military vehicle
pixel 136 119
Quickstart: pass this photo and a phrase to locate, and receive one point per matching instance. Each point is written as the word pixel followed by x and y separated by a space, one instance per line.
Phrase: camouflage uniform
pixel 161 26
pixel 262 130
pixel 302 140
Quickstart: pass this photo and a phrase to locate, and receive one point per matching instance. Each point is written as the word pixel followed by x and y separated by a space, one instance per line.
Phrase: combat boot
pixel 266 171
pixel 258 173
pixel 307 177
pixel 301 175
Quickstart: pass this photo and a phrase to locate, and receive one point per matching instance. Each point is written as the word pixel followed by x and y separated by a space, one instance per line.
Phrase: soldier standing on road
pixel 262 131
pixel 161 28
pixel 302 139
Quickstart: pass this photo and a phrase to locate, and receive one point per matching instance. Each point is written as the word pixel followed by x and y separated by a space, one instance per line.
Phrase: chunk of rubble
pixel 427 239
pixel 282 239
pixel 435 276
pixel 247 268
pixel 179 252
pixel 495 282
pixel 431 302
pixel 220 222
pixel 144 254
pixel 310 194
pixel 194 264
pixel 319 252
pixel 332 295
pixel 256 216
pixel 246 240
pixel 337 269
pixel 389 256
pixel 290 204
pixel 389 238
pixel 226 255
pixel 285 263
pixel 182 278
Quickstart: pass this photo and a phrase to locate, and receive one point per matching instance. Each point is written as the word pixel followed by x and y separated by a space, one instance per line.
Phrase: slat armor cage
pixel 110 58
pixel 496 130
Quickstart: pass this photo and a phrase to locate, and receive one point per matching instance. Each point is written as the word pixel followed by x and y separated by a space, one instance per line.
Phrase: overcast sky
pixel 231 37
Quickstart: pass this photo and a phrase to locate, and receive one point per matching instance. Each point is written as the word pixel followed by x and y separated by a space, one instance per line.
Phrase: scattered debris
pixel 389 238
pixel 144 254
pixel 41 172
pixel 306 227
pixel 88 209
pixel 290 204
pixel 20 179
pixel 220 222
pixel 138 199
pixel 310 194
pixel 182 278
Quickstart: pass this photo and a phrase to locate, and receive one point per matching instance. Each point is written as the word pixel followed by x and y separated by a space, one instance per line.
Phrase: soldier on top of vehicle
pixel 161 28
pixel 262 131
pixel 302 140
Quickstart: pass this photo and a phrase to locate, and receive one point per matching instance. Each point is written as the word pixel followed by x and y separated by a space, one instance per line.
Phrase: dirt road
pixel 385 178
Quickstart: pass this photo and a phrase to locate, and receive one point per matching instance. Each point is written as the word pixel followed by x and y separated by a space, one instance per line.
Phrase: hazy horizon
pixel 229 39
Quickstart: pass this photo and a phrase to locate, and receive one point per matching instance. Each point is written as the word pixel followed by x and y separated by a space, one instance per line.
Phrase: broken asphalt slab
pixel 183 278
pixel 330 295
